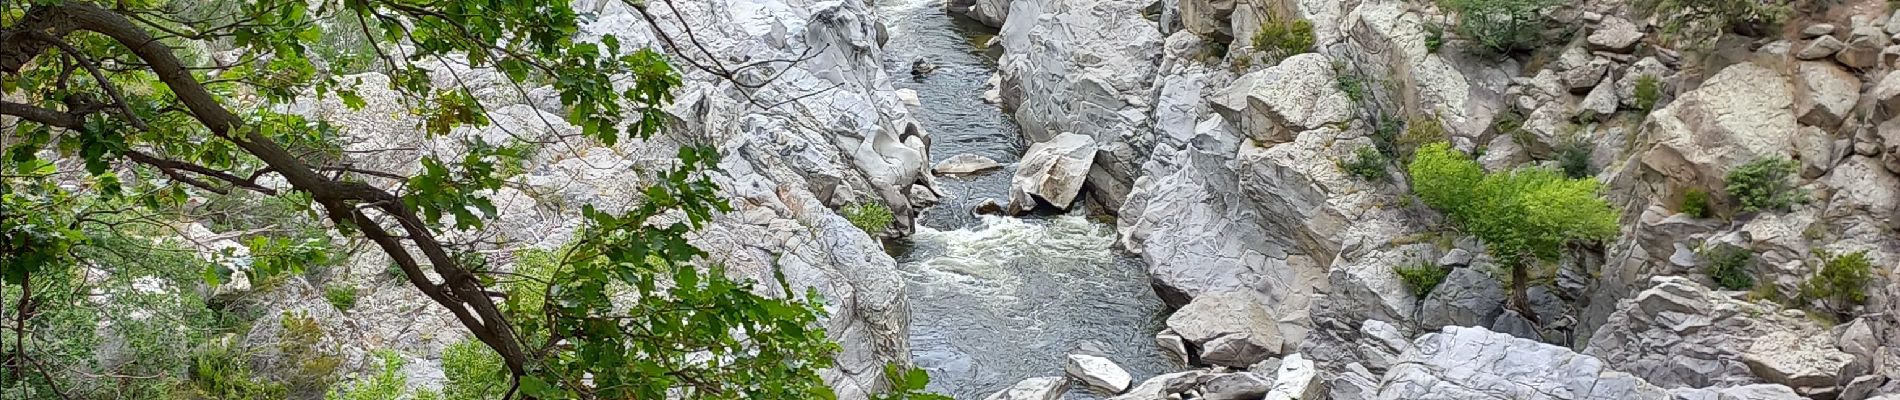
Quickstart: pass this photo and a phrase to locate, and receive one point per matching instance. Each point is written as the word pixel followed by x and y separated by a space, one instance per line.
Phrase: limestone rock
pixel 1229 328
pixel 1828 94
pixel 1467 297
pixel 1887 92
pixel 965 164
pixel 989 12
pixel 1744 392
pixel 1297 378
pixel 1098 372
pixel 1741 114
pixel 1474 363
pixel 1678 333
pixel 1819 48
pixel 1234 386
pixel 1863 47
pixel 1791 359
pixel 1601 101
pixel 1052 172
pixel 1043 388
pixel 1273 104
pixel 1161 386
pixel 1615 34
pixel 1817 30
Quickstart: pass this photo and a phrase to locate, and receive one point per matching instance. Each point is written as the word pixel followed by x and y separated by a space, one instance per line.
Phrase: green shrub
pixel 1765 184
pixel 1522 216
pixel 1842 281
pixel 1501 26
pixel 1434 37
pixel 341 296
pixel 1369 165
pixel 219 372
pixel 1696 203
pixel 1281 37
pixel 388 384
pixel 872 217
pixel 1422 277
pixel 1352 85
pixel 315 370
pixel 474 372
pixel 1574 158
pixel 1648 92
pixel 1702 22
pixel 1729 266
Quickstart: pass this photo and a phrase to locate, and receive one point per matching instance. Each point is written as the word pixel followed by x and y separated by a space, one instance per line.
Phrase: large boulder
pixel 1052 172
pixel 1741 114
pixel 1043 388
pixel 1681 334
pixel 1828 93
pixel 965 164
pixel 1388 39
pixel 1297 95
pixel 1098 372
pixel 1228 328
pixel 1467 297
pixel 1474 363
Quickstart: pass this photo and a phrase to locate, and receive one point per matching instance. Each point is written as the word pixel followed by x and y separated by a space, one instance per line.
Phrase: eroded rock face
pixel 1474 363
pixel 1229 328
pixel 1741 114
pixel 1681 334
pixel 1052 172
pixel 1273 104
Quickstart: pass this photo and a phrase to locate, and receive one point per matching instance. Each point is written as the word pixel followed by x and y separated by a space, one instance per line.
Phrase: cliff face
pixel 1226 169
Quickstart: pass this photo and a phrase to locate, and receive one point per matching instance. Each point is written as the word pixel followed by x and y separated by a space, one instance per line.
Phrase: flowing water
pixel 995 300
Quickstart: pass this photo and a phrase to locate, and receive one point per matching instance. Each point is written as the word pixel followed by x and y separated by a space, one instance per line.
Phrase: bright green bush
pixel 1501 26
pixel 1523 216
pixel 341 296
pixel 1765 185
pixel 474 372
pixel 1842 282
pixel 872 217
pixel 1729 266
pixel 1422 277
pixel 1695 202
pixel 1369 164
pixel 1281 37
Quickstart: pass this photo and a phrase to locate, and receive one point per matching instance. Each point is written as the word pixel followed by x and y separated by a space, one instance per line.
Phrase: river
pixel 995 300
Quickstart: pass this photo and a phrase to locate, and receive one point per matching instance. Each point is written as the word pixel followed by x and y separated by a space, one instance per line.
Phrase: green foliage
pixel 872 217
pixel 1730 266
pixel 341 296
pixel 1765 185
pixel 1422 277
pixel 218 372
pixel 300 345
pixel 1282 37
pixel 1352 85
pixel 1434 37
pixel 907 384
pixel 1522 215
pixel 1842 281
pixel 1369 164
pixel 1702 22
pixel 474 372
pixel 1501 26
pixel 387 384
pixel 1695 202
pixel 1573 157
pixel 636 307
pixel 1648 92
